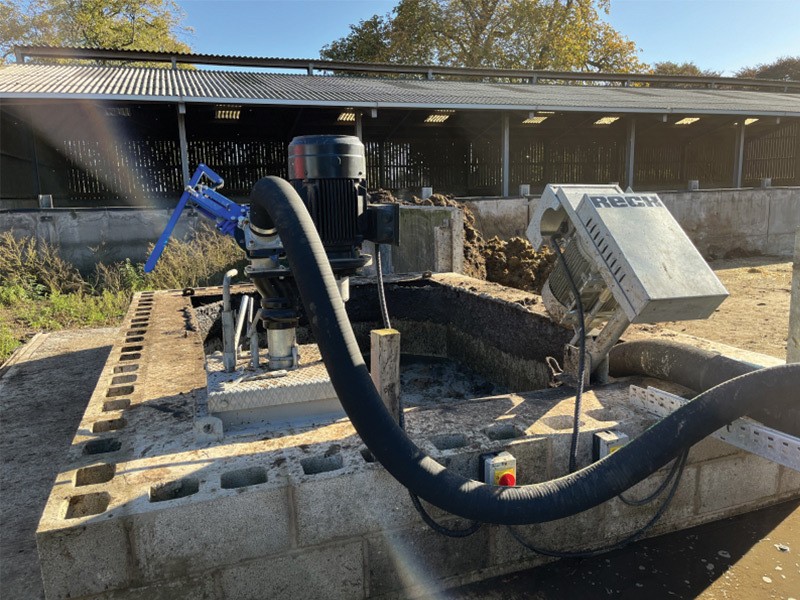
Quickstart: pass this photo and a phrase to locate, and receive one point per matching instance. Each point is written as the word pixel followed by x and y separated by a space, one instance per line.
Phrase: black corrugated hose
pixel 470 499
pixel 401 420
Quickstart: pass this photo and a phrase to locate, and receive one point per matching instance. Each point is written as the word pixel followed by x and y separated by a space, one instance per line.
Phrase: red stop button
pixel 508 480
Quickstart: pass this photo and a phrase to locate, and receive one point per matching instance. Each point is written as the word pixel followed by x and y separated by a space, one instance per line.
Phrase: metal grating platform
pixel 300 396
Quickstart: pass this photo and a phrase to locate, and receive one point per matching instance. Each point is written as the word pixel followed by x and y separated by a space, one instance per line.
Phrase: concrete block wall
pixel 724 222
pixel 143 509
pixel 732 222
pixel 719 222
pixel 432 236
pixel 88 236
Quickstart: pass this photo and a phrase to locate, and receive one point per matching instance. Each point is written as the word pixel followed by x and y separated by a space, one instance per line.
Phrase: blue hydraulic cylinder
pixel 209 203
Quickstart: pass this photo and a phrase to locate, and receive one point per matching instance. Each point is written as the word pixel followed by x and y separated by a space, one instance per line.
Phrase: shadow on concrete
pixel 42 402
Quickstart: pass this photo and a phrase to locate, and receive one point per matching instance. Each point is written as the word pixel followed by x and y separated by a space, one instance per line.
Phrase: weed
pixel 200 261
pixel 8 342
pixel 39 290
pixel 36 266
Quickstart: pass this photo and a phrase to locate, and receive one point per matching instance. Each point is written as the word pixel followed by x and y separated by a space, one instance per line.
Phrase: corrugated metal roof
pixel 192 86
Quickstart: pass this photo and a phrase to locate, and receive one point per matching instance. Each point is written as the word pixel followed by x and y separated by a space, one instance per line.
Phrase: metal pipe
pixel 243 310
pixel 228 331
pixel 280 344
pixel 252 333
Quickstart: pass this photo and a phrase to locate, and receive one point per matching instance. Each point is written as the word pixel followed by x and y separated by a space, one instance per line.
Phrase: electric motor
pixel 329 174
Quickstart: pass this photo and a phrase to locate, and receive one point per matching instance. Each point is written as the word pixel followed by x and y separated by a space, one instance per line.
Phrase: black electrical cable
pixel 576 423
pixel 426 517
pixel 656 493
pixel 677 474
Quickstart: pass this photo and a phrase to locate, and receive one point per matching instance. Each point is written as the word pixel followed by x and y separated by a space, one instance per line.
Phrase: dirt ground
pixel 756 315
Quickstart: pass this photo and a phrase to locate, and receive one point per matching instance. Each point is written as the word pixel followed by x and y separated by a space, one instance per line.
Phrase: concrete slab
pixel 38 424
pixel 291 511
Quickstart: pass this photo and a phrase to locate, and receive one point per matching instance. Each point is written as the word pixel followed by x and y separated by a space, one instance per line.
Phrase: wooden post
pixel 385 367
pixel 793 341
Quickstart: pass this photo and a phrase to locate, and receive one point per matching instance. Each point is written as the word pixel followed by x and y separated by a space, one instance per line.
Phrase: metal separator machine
pixel 629 261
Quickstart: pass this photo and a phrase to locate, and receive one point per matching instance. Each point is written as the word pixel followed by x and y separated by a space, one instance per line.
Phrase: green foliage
pixel 531 34
pixel 117 24
pixel 686 68
pixel 41 291
pixel 8 342
pixel 786 67
pixel 60 311
pixel 36 266
pixel 199 261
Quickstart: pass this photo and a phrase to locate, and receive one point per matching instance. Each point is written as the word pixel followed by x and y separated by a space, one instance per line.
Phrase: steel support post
pixel 737 167
pixel 506 156
pixel 630 150
pixel 184 145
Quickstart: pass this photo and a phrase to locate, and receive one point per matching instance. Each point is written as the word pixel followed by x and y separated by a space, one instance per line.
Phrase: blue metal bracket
pixel 209 203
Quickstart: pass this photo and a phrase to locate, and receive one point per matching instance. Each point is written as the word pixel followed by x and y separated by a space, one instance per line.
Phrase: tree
pixel 117 24
pixel 686 68
pixel 527 34
pixel 786 67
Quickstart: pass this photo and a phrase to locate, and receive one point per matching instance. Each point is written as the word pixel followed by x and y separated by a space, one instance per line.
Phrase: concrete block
pixel 531 455
pixel 417 557
pixel 198 588
pixel 235 525
pixel 331 572
pixel 779 244
pixel 578 532
pixel 349 505
pixel 85 560
pixel 559 451
pixel 789 481
pixel 622 519
pixel 722 221
pixel 730 482
pixel 784 212
pixel 417 250
pixel 503 218
pixel 710 449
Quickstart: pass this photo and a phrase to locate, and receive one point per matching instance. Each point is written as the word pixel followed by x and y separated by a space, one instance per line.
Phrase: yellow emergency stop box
pixel 500 469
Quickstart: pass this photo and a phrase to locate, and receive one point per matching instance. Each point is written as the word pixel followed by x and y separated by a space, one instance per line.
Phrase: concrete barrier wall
pixel 738 222
pixel 725 222
pixel 432 236
pixel 87 236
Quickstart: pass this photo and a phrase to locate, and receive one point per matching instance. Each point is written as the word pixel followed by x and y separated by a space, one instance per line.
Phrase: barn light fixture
pixel 440 116
pixel 535 119
pixel 227 113
pixel 606 120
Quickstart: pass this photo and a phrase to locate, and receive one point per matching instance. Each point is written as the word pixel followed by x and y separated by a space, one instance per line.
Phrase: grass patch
pixel 8 342
pixel 40 291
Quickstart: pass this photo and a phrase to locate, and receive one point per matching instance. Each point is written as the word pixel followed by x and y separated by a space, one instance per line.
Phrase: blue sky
pixel 716 34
